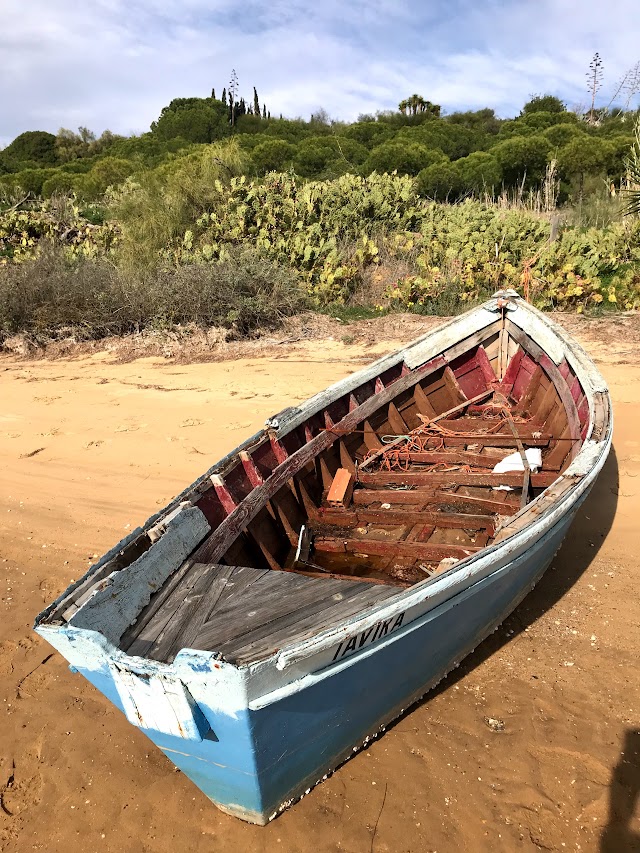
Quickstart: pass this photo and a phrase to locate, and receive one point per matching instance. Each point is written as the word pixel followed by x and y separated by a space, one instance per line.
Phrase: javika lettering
pixel 375 632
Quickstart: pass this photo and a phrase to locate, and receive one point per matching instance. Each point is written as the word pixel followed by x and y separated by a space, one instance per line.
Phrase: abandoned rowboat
pixel 333 568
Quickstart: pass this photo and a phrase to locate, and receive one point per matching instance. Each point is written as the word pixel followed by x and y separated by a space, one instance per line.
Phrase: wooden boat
pixel 328 572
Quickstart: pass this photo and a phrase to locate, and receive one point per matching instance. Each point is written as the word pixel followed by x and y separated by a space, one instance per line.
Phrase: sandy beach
pixel 532 744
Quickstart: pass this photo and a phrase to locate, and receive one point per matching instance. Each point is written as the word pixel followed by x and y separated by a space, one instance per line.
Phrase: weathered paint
pixel 253 738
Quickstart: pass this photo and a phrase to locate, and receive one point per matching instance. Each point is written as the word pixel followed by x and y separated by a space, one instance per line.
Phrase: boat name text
pixel 380 629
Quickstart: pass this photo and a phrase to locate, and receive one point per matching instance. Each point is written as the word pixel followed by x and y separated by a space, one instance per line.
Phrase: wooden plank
pixel 449 478
pixel 286 613
pixel 168 620
pixel 374 547
pixel 450 457
pixel 398 515
pixel 488 504
pixel 265 640
pixel 556 376
pixel 190 624
pixel 483 426
pixel 525 401
pixel 477 442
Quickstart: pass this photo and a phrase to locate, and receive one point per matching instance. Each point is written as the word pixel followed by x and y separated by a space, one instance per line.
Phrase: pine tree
pixel 256 102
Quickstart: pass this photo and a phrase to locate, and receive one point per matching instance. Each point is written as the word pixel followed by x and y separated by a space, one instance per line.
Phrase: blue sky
pixel 115 63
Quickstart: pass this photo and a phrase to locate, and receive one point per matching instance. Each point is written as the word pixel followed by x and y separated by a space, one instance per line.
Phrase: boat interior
pixel 383 487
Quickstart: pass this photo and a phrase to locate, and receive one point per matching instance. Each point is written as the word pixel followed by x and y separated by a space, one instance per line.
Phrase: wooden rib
pixel 278 449
pixel 254 476
pixel 326 475
pixel 226 498
pixel 345 459
pixel 379 385
pixel 423 405
pixel 397 422
pixel 285 521
pixel 328 420
pixel 373 547
pixel 353 403
pixel 310 507
pixel 370 437
pixel 256 534
pixel 452 384
pixel 449 478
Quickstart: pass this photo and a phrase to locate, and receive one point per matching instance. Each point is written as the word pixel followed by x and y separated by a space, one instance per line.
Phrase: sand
pixel 532 744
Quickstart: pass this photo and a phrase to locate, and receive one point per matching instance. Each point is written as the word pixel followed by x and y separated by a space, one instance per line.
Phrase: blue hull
pixel 256 762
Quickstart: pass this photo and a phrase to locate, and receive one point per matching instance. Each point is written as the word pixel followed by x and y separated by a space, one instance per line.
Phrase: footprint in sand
pixel 97 443
pixel 191 422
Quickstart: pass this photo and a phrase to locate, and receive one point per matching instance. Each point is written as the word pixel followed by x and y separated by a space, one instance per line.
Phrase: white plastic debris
pixel 513 462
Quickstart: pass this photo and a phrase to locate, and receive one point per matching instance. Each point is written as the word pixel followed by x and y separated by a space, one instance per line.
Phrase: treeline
pixel 450 156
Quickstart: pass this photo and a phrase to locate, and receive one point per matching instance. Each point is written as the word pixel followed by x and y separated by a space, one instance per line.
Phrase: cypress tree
pixel 256 102
pixel 213 94
pixel 224 97
pixel 264 111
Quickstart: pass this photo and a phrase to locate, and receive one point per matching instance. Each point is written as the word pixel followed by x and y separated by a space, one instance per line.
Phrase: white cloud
pixel 115 64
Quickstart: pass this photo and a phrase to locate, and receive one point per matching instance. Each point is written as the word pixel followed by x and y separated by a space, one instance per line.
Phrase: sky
pixel 115 63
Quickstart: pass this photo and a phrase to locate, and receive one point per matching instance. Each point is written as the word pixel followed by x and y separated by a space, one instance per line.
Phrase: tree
pixel 522 158
pixel 33 146
pixel 440 181
pixel 273 155
pixel 369 133
pixel 264 111
pixel 584 155
pixel 223 99
pixel 560 134
pixel 316 153
pixel 192 119
pixel 405 158
pixel 256 103
pixel 543 104
pixel 416 104
pixel 479 172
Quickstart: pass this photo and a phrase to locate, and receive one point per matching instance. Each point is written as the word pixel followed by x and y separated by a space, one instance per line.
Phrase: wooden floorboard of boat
pixel 248 612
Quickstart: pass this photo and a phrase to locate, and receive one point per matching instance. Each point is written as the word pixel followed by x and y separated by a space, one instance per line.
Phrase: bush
pixel 56 295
